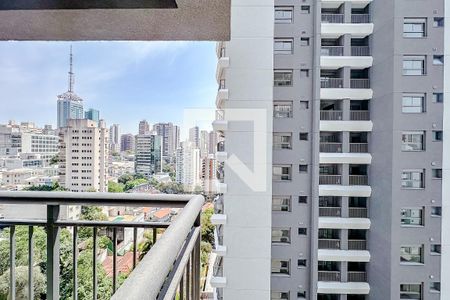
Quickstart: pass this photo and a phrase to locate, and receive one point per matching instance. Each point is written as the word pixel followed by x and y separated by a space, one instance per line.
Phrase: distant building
pixel 208 176
pixel 194 136
pixel 169 133
pixel 179 162
pixel 114 138
pixel 92 114
pixel 148 154
pixel 204 143
pixel 190 172
pixel 127 142
pixel 84 156
pixel 144 127
pixel 212 142
pixel 70 105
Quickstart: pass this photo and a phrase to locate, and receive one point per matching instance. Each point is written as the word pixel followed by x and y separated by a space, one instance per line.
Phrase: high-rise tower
pixel 70 105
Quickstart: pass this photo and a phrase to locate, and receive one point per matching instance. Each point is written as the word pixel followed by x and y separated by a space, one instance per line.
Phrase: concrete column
pixel 344 207
pixel 345 75
pixel 345 173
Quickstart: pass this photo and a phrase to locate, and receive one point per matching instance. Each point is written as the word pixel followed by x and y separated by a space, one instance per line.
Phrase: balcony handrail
pixel 331 115
pixel 360 18
pixel 357 212
pixel 329 82
pixel 359 147
pixel 329 275
pixel 331 147
pixel 330 179
pixel 332 50
pixel 359 179
pixel 360 50
pixel 327 211
pixel 360 83
pixel 356 276
pixel 333 18
pixel 157 276
pixel 359 115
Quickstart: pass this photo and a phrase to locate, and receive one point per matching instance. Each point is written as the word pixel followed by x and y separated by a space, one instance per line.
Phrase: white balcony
pixel 218 219
pixel 346 158
pixel 222 64
pixel 219 248
pixel 343 255
pixel 218 282
pixel 337 62
pixel 221 156
pixel 356 30
pixel 338 3
pixel 222 96
pixel 352 126
pixel 345 190
pixel 344 223
pixel 354 288
pixel 345 93
pixel 220 125
pixel 222 188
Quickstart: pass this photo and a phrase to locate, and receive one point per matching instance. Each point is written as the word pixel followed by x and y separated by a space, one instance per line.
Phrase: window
pixel 436 211
pixel 438 97
pixel 413 179
pixel 413 103
pixel 303 168
pixel 282 77
pixel 302 231
pixel 302 199
pixel 414 65
pixel 282 109
pixel 304 41
pixel 284 46
pixel 437 135
pixel 304 73
pixel 281 173
pixel 281 203
pixel 435 249
pixel 435 287
pixel 279 296
pixel 411 291
pixel 438 22
pixel 412 216
pixel 304 105
pixel 301 294
pixel 414 27
pixel 411 254
pixel 281 235
pixel 436 173
pixel 303 136
pixel 282 140
pixel 438 60
pixel 413 141
pixel 284 15
pixel 305 9
pixel 280 267
pixel 301 263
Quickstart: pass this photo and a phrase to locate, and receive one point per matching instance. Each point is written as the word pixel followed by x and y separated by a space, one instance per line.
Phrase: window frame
pixel 284 41
pixel 283 19
pixel 409 108
pixel 421 172
pixel 414 21
pixel 414 60
pixel 413 256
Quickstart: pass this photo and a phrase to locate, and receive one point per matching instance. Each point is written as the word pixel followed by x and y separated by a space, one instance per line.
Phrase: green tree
pixel 46 188
pixel 207 226
pixel 22 283
pixel 134 183
pixel 114 187
pixel 90 213
pixel 205 250
pixel 54 160
pixel 125 178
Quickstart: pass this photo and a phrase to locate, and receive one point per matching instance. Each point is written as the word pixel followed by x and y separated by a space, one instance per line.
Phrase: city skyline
pixel 110 77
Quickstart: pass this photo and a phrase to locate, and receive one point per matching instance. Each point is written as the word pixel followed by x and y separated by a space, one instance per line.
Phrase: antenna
pixel 71 75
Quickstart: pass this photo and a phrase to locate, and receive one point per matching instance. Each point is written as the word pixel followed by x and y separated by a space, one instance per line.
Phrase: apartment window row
pixel 284 109
pixel 416 290
pixel 415 179
pixel 285 14
pixel 283 46
pixel 414 27
pixel 285 77
pixel 414 141
pixel 416 65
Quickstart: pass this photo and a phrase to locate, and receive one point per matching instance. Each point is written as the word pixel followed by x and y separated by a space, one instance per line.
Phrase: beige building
pixel 84 156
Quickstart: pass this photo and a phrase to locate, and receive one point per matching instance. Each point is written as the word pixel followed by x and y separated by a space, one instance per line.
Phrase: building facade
pixel 127 142
pixel 167 132
pixel 144 127
pixel 353 206
pixel 92 114
pixel 83 156
pixel 148 156
pixel 114 138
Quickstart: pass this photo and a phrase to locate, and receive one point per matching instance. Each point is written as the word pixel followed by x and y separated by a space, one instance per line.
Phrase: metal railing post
pixel 30 263
pixel 12 263
pixel 53 247
pixel 75 262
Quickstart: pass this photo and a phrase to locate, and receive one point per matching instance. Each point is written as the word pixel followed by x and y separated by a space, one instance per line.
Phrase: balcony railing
pixel 359 147
pixel 218 268
pixel 332 18
pixel 332 50
pixel 360 50
pixel 360 83
pixel 356 276
pixel 220 114
pixel 329 211
pixel 171 268
pixel 357 245
pixel 331 147
pixel 221 146
pixel 218 205
pixel 330 179
pixel 329 276
pixel 358 179
pixel 359 115
pixel 357 212
pixel 360 18
pixel 329 244
pixel 331 115
pixel 331 83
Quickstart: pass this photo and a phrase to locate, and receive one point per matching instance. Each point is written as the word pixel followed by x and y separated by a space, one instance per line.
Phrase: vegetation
pixel 114 187
pixel 46 188
pixel 170 169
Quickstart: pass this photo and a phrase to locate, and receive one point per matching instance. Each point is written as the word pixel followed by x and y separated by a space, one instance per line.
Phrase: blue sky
pixel 126 81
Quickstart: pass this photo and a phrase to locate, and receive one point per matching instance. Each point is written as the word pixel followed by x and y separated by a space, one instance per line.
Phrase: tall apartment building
pixel 144 127
pixel 148 155
pixel 83 156
pixel 353 92
pixel 127 142
pixel 114 138
pixel 168 133
pixel 194 136
pixel 188 166
pixel 70 105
